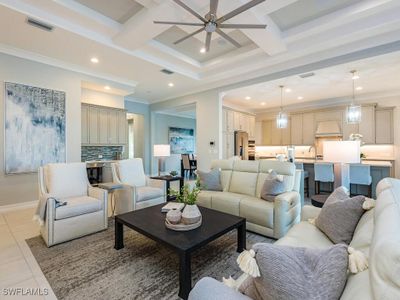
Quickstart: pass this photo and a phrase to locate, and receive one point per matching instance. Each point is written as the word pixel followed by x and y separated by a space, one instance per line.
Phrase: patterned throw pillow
pixel 340 215
pixel 210 181
pixel 273 186
pixel 292 273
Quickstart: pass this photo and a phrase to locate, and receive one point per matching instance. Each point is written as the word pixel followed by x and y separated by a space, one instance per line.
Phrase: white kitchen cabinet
pixel 84 125
pixel 273 136
pixel 308 128
pixel 93 125
pixel 384 126
pixel 113 126
pixel 122 128
pixel 227 120
pixel 258 133
pixel 252 127
pixel 296 127
pixel 329 115
pixel 244 122
pixel 266 132
pixel 367 125
pixel 286 135
pixel 228 145
pixel 103 126
pixel 236 120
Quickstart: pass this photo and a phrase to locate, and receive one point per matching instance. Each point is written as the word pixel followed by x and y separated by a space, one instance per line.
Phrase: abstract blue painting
pixel 34 127
pixel 181 140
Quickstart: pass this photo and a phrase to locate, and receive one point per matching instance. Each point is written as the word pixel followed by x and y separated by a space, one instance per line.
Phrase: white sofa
pixel 86 208
pixel 377 235
pixel 242 182
pixel 139 190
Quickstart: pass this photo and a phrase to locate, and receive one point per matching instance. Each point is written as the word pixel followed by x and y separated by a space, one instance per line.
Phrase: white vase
pixel 174 216
pixel 191 214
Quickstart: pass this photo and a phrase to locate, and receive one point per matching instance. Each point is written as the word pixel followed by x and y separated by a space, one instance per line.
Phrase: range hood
pixel 328 128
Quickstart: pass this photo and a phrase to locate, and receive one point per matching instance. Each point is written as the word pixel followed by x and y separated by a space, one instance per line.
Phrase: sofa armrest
pixel 309 212
pixel 287 209
pixel 99 194
pixel 156 183
pixel 210 289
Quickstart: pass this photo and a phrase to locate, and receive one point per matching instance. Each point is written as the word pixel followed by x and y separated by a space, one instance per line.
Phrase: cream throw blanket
pixel 40 214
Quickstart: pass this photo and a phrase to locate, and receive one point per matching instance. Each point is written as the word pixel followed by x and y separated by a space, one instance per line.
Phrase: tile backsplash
pixel 93 152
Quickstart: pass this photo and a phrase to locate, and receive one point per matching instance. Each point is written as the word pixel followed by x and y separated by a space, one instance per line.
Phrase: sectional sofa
pixel 242 182
pixel 377 235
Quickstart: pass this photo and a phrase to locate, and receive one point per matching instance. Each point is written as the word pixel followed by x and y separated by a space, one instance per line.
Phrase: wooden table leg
pixel 119 235
pixel 241 236
pixel 185 275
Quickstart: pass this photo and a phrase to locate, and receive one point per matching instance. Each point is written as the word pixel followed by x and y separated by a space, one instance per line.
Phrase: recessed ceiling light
pixel 171 84
pixel 300 97
pixel 263 103
pixel 107 87
pixel 288 90
pixel 203 50
pixel 247 98
pixel 359 88
pixel 94 60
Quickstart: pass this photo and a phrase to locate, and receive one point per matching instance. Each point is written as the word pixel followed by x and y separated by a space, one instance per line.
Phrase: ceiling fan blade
pixel 239 10
pixel 228 38
pixel 187 8
pixel 208 41
pixel 213 7
pixel 240 26
pixel 188 36
pixel 178 23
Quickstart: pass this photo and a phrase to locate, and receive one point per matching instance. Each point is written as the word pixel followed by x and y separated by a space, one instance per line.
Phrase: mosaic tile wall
pixel 93 152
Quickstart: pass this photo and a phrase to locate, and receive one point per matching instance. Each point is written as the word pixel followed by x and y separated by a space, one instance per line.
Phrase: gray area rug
pixel 90 267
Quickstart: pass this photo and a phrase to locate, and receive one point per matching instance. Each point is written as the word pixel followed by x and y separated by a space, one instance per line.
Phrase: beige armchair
pixel 139 190
pixel 85 211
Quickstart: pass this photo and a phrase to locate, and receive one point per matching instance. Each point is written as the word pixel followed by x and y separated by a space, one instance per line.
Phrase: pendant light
pixel 353 111
pixel 281 118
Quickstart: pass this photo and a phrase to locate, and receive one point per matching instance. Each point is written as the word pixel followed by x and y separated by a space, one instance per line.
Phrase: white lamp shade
pixel 342 151
pixel 161 150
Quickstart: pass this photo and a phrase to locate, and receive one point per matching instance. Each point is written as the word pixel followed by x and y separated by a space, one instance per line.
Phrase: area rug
pixel 90 267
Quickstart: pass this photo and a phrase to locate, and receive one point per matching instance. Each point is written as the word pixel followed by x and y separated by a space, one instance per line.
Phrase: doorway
pixel 135 136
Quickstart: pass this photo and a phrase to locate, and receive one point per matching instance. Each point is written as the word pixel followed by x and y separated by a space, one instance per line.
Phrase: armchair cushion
pixel 147 192
pixel 66 180
pixel 131 172
pixel 77 206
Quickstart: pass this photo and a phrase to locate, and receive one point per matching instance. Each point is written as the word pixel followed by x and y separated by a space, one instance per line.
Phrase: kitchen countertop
pixel 367 161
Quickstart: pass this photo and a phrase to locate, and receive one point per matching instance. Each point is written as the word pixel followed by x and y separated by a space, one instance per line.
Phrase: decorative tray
pixel 181 226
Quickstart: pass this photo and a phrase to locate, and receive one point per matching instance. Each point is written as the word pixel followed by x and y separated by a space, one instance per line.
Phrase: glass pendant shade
pixel 281 120
pixel 353 114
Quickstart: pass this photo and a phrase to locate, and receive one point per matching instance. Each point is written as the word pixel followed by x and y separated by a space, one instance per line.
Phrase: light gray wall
pixel 161 132
pixel 144 110
pixel 22 188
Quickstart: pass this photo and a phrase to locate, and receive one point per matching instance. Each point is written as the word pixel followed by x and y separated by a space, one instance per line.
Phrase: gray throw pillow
pixel 340 215
pixel 273 186
pixel 292 273
pixel 210 181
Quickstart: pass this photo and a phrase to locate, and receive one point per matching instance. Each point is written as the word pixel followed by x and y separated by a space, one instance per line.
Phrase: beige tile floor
pixel 18 267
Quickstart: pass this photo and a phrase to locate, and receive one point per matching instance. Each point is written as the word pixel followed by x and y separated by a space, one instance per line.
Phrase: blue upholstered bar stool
pixel 361 175
pixel 323 172
pixel 300 166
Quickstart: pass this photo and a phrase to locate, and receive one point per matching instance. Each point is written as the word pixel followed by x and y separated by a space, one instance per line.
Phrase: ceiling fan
pixel 211 23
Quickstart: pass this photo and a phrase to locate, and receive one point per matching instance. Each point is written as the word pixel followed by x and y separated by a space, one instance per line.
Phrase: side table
pixel 318 200
pixel 111 187
pixel 168 179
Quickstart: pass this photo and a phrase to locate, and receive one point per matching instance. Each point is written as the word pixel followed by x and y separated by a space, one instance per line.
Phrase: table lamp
pixel 342 153
pixel 160 151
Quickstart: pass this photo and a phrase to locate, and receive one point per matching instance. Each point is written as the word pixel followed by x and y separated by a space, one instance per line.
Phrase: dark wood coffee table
pixel 150 222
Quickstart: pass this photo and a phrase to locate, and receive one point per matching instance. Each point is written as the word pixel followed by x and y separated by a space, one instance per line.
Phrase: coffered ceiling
pixel 132 50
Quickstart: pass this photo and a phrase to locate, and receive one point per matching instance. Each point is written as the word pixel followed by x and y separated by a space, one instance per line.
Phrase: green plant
pixel 173 173
pixel 187 195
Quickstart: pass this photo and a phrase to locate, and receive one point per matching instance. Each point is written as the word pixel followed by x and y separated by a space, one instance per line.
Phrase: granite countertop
pixel 367 161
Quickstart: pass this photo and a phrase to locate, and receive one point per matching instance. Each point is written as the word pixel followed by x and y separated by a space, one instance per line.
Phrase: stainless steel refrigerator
pixel 242 145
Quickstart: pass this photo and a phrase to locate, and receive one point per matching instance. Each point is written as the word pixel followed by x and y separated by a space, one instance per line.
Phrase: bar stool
pixel 360 174
pixel 323 172
pixel 300 166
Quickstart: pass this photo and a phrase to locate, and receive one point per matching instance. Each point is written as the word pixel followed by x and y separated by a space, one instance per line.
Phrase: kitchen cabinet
pixel 93 125
pixel 236 120
pixel 384 126
pixel 308 129
pixel 103 126
pixel 244 122
pixel 252 127
pixel 296 127
pixel 273 136
pixel 84 125
pixel 228 144
pixel 367 125
pixel 266 132
pixel 227 120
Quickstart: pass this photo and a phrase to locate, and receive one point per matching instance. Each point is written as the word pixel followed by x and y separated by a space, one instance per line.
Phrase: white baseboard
pixel 18 206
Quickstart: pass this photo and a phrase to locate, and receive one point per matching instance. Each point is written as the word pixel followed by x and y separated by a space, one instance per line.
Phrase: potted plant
pixel 173 173
pixel 188 195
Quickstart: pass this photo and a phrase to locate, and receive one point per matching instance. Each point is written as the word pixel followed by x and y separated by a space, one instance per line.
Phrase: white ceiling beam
pixel 338 18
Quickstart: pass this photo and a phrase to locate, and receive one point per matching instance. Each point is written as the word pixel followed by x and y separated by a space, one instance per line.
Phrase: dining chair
pixel 300 166
pixel 360 174
pixel 323 172
pixel 187 166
